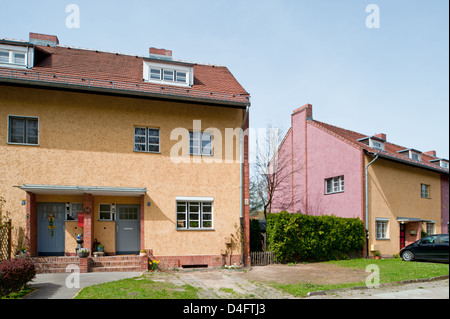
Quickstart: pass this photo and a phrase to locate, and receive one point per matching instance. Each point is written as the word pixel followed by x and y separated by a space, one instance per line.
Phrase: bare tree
pixel 272 179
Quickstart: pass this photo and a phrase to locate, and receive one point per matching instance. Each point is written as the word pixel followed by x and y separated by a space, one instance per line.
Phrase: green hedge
pixel 297 237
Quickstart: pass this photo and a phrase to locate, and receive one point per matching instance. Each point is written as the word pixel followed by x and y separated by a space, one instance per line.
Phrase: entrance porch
pixel 111 216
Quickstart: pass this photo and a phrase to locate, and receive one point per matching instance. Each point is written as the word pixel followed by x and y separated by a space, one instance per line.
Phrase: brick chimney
pixel 430 153
pixel 160 54
pixel 307 108
pixel 43 39
pixel 381 135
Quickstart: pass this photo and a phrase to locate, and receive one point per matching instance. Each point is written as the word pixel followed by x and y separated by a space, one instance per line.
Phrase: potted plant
pixel 83 252
pixel 153 265
pixel 143 253
pixel 377 255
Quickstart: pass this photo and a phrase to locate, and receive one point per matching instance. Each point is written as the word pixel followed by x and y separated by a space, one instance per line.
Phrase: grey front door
pixel 50 229
pixel 128 226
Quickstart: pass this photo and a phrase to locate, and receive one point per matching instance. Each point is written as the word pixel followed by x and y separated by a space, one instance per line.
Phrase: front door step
pixel 96 264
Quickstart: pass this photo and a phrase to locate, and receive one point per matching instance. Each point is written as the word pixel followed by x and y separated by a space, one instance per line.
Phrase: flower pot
pixel 83 254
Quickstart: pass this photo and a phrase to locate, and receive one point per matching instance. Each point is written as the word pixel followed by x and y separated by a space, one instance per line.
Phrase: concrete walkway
pixel 67 285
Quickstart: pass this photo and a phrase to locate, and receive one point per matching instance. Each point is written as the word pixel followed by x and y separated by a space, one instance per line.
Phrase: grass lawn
pixel 391 270
pixel 142 287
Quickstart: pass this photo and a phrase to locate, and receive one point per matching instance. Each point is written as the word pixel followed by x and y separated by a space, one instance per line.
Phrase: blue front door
pixel 51 229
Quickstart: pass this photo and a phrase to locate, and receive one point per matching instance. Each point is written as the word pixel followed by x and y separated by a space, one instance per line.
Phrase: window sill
pixel 195 229
pixel 21 144
pixel 145 152
pixel 383 239
pixel 334 193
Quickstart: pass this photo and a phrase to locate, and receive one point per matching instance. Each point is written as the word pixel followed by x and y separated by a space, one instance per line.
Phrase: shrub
pixel 297 237
pixel 15 274
pixel 255 235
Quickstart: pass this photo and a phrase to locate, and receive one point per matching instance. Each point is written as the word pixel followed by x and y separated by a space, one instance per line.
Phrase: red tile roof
pixel 391 150
pixel 213 83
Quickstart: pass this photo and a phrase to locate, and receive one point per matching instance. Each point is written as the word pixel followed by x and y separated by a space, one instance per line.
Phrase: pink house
pixel 397 191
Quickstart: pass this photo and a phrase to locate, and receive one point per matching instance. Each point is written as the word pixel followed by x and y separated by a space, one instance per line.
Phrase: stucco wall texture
pixel 87 139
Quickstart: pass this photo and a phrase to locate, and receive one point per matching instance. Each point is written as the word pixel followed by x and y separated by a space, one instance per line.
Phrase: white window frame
pixel 12 50
pixel 201 203
pixel 382 228
pixel 186 72
pixel 196 146
pixel 425 191
pixel 111 212
pixel 378 145
pixel 431 227
pixel 413 154
pixel 25 118
pixel 443 164
pixel 336 185
pixel 147 137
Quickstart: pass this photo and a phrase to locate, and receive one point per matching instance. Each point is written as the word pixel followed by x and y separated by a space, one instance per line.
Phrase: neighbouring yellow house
pixel 133 152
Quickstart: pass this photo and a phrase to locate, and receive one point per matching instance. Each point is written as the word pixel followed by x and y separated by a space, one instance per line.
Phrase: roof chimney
pixel 307 107
pixel 44 39
pixel 161 54
pixel 381 135
pixel 430 153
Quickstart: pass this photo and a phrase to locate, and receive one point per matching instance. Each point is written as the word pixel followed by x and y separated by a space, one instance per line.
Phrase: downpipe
pixel 241 173
pixel 367 204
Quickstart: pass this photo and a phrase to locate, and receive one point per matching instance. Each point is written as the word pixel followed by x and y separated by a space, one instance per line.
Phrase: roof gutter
pixel 367 202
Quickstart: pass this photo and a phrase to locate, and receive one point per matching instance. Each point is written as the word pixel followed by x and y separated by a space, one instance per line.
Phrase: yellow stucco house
pixel 134 152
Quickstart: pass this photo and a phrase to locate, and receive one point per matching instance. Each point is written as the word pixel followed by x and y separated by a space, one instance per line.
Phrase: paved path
pixel 66 285
pixel 424 290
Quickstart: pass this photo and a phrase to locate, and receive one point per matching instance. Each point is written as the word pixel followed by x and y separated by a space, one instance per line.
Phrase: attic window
pixel 414 156
pixel 168 74
pixel 12 57
pixel 376 144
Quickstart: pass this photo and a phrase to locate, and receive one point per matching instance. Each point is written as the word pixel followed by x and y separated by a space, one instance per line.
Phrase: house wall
pixel 312 155
pixel 394 191
pixel 444 204
pixel 87 139
pixel 330 157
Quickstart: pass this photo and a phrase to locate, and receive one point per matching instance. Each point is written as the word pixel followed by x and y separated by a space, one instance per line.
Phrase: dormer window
pixel 13 56
pixel 376 144
pixel 412 154
pixel 415 156
pixel 168 73
pixel 441 162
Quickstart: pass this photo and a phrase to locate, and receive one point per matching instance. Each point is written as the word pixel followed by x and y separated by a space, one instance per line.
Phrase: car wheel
pixel 407 256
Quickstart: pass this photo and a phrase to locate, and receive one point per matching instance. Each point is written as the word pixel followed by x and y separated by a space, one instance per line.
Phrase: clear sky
pixel 393 79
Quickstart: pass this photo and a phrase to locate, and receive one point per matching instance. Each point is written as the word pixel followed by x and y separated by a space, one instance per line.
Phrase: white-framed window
pixel 425 191
pixel 444 164
pixel 23 130
pixel 334 185
pixel 415 156
pixel 146 139
pixel 74 209
pixel 106 212
pixel 168 73
pixel 430 228
pixel 194 215
pixel 376 144
pixel 13 57
pixel 200 143
pixel 381 228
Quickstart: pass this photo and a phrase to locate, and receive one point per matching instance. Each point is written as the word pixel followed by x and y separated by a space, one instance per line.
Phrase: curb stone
pixel 326 292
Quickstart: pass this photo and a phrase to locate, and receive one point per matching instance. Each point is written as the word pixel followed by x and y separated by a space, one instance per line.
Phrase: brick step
pixel 96 264
pixel 116 269
pixel 115 263
pixel 54 264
